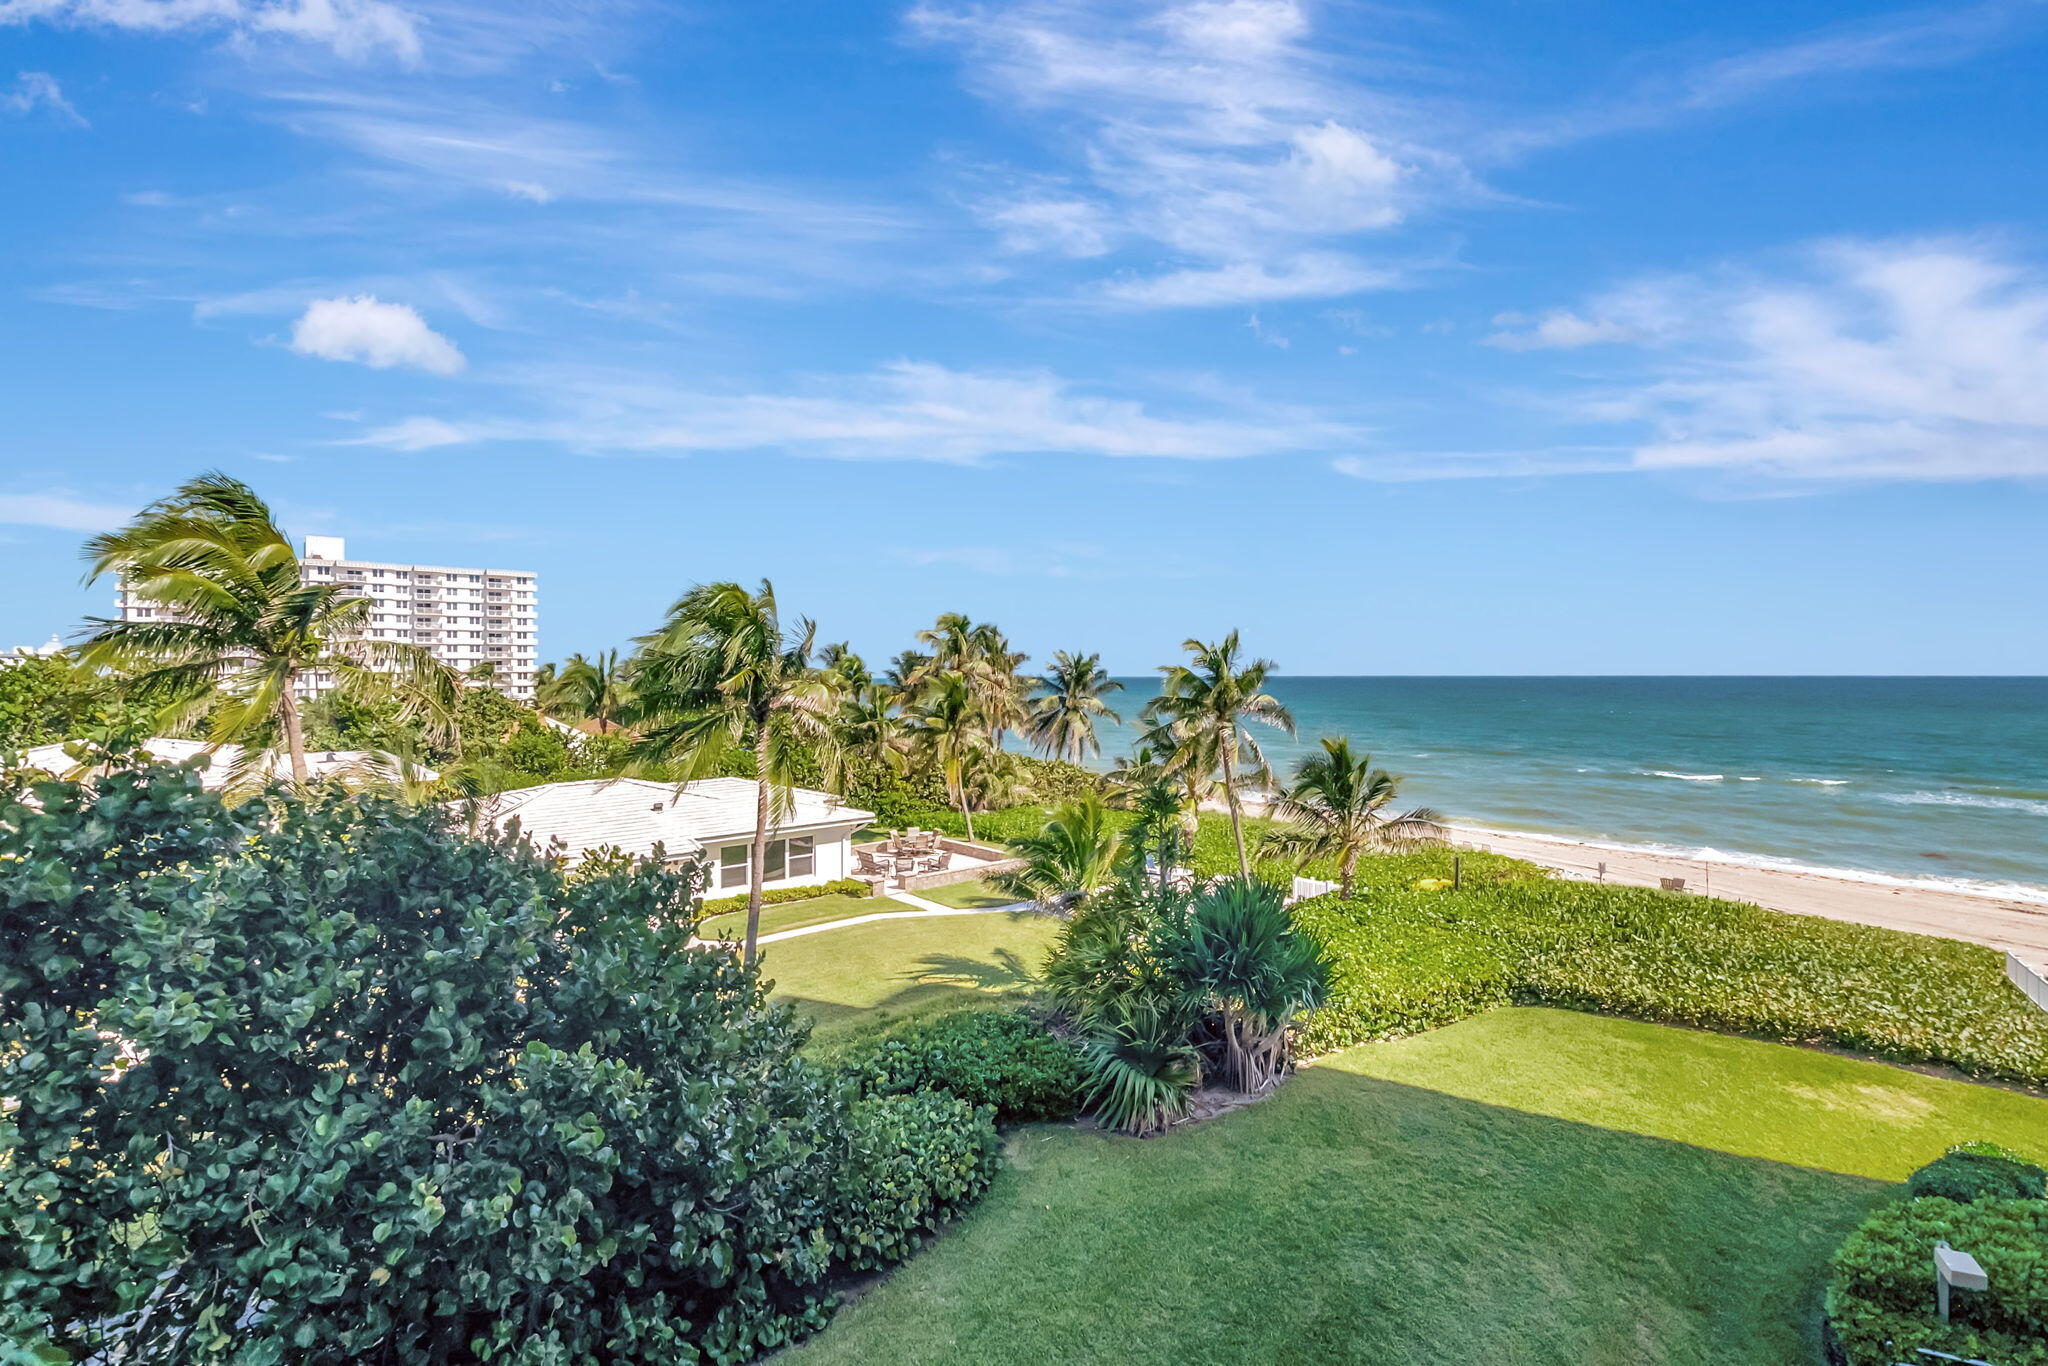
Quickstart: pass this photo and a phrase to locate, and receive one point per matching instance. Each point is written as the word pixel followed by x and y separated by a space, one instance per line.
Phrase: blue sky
pixel 1532 337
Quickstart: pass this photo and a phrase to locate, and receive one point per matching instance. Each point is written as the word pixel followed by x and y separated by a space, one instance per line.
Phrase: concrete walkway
pixel 925 910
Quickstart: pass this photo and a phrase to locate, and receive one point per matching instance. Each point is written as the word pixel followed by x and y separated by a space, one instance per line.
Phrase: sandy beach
pixel 2014 926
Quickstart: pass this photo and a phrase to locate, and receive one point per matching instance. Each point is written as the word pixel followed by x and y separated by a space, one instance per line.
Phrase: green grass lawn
pixel 970 896
pixel 861 978
pixel 791 914
pixel 1526 1187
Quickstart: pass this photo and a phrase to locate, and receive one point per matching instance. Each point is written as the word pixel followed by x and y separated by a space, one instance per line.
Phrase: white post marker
pixel 1958 1270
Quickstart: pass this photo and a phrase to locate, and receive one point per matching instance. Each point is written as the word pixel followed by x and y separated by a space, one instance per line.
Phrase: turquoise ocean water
pixel 1938 780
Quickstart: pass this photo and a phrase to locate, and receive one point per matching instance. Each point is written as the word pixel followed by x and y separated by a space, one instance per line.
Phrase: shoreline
pixel 2004 922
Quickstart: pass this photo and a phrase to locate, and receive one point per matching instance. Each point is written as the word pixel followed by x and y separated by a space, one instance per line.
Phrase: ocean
pixel 1931 781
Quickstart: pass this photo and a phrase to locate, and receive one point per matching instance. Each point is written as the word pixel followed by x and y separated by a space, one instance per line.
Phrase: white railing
pixel 1306 887
pixel 2028 979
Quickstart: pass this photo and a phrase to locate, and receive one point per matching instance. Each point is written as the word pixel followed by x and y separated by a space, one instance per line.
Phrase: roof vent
pixel 655 807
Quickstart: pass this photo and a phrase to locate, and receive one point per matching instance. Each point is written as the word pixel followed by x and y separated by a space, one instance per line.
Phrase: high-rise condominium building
pixel 466 617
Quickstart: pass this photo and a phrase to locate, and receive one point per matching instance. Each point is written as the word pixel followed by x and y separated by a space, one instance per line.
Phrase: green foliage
pixel 775 896
pixel 423 1097
pixel 915 1160
pixel 1142 1070
pixel 1077 850
pixel 1970 1172
pixel 1238 950
pixel 1409 959
pixel 1002 1059
pixel 1880 1300
pixel 48 698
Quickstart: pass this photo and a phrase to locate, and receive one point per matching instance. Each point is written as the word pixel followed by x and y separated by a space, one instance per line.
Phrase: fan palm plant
pixel 1141 1070
pixel 722 674
pixel 1203 715
pixel 1336 808
pixel 242 633
pixel 1078 850
pixel 1237 945
pixel 596 689
pixel 1067 705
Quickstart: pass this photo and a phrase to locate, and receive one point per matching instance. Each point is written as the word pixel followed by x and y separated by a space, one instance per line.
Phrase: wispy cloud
pixel 61 512
pixel 904 411
pixel 353 29
pixel 35 90
pixel 371 332
pixel 1213 136
pixel 1900 360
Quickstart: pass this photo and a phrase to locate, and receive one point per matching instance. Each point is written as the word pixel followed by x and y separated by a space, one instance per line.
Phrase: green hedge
pixel 1409 960
pixel 916 1160
pixel 779 895
pixel 1980 1171
pixel 1002 1059
pixel 1880 1300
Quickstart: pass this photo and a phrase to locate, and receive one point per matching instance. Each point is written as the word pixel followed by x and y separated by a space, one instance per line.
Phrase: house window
pixel 732 866
pixel 803 858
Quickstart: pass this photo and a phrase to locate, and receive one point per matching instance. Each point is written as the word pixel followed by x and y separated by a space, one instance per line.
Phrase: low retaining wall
pixel 987 859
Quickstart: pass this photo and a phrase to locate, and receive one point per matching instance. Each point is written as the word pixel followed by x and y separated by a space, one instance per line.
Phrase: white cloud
pixel 1559 329
pixel 380 335
pixel 61 512
pixel 531 191
pixel 35 90
pixel 905 411
pixel 353 29
pixel 1871 360
pixel 1212 133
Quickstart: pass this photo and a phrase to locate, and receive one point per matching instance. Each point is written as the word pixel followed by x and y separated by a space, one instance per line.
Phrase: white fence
pixel 2028 979
pixel 1306 887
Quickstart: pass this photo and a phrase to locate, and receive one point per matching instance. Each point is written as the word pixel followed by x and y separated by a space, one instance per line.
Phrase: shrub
pixel 1001 1059
pixel 1408 959
pixel 1880 1299
pixel 915 1160
pixel 1979 1171
pixel 776 896
pixel 415 1096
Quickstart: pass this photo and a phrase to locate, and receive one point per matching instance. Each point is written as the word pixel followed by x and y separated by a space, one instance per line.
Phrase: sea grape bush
pixel 1980 1171
pixel 1880 1298
pixel 1409 959
pixel 1002 1059
pixel 327 1077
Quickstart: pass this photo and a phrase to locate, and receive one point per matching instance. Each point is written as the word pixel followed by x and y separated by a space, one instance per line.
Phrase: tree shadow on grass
pixel 937 984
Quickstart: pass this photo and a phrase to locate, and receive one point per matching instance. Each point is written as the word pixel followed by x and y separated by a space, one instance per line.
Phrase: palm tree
pixel 1200 718
pixel 869 729
pixel 241 633
pixel 1077 850
pixel 722 674
pixel 947 728
pixel 1141 785
pixel 981 654
pixel 1239 946
pixel 597 689
pixel 1069 701
pixel 839 662
pixel 1336 807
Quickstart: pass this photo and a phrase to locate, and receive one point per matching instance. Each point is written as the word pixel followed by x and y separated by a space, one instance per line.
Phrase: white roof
pixel 633 814
pixel 221 761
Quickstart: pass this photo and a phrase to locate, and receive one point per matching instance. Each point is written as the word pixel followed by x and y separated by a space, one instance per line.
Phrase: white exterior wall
pixel 833 845
pixel 464 617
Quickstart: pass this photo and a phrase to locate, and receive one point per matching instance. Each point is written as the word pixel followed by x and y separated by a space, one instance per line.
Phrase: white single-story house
pixel 351 765
pixel 712 816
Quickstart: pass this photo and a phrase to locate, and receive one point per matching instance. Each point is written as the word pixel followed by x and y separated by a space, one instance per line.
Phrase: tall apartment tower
pixel 466 617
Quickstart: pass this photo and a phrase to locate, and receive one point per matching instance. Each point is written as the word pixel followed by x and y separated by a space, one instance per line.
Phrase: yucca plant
pixel 1141 1070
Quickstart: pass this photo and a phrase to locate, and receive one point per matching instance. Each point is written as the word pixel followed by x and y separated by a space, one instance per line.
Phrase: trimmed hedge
pixel 1411 959
pixel 1979 1171
pixel 1880 1301
pixel 780 895
pixel 1001 1059
pixel 916 1160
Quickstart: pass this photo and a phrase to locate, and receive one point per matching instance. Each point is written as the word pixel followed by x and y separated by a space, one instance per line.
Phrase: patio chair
pixel 936 863
pixel 865 865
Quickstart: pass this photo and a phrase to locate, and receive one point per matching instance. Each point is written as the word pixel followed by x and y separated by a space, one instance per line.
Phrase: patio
pixel 913 860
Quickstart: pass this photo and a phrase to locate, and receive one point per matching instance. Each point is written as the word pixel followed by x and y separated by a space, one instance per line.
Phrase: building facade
pixel 465 617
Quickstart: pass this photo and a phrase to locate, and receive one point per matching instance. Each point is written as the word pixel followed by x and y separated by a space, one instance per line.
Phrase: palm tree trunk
pixel 1346 873
pixel 1244 865
pixel 757 867
pixel 294 736
pixel 965 814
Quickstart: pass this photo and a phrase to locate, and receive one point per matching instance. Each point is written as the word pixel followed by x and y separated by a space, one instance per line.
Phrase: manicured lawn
pixel 969 896
pixel 1526 1187
pixel 791 914
pixel 860 978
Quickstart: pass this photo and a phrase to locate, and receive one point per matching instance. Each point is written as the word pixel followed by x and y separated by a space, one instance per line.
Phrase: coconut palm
pixel 869 730
pixel 721 674
pixel 1337 808
pixel 838 662
pixel 241 633
pixel 947 728
pixel 1067 705
pixel 1078 850
pixel 1201 717
pixel 597 689
pixel 981 654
